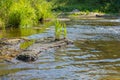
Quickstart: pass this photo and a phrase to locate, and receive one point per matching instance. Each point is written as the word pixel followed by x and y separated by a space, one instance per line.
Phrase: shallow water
pixel 95 55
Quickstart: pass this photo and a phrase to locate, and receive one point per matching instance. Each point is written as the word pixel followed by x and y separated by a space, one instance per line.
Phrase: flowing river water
pixel 95 54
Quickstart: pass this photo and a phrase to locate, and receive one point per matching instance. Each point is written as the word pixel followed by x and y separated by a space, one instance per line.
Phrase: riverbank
pixel 88 15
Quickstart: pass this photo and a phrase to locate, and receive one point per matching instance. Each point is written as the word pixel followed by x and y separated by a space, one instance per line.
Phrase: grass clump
pixel 21 14
pixel 1 23
pixel 24 13
pixel 60 30
pixel 43 10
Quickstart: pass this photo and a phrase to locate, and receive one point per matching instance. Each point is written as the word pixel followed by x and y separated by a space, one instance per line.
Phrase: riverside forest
pixel 59 39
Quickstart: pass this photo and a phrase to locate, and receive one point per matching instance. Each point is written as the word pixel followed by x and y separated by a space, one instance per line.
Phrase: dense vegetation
pixel 23 13
pixel 107 6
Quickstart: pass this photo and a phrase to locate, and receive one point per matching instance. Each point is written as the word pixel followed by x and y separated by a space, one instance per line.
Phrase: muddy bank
pixel 28 50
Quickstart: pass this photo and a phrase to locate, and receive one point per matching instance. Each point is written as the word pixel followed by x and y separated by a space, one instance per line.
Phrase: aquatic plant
pixel 60 30
pixel 26 44
pixel 65 30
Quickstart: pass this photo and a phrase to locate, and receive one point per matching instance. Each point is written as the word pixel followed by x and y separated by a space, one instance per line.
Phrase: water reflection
pixel 23 32
pixel 107 49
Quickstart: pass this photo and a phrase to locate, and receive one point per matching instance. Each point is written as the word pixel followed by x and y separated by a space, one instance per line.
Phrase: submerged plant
pixel 60 30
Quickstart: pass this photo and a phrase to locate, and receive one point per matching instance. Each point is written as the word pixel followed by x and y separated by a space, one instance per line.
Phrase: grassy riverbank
pixel 27 13
pixel 24 13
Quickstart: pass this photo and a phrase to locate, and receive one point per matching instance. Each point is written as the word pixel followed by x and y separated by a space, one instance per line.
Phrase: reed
pixel 60 30
pixel 1 24
pixel 42 8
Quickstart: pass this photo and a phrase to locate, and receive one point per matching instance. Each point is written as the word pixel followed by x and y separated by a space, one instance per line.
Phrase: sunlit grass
pixel 21 14
pixel 60 30
pixel 24 13
pixel 26 44
pixel 42 8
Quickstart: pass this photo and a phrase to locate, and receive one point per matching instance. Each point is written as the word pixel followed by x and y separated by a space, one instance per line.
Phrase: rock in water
pixel 28 55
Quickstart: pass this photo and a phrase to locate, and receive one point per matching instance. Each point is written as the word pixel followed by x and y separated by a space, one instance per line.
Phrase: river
pixel 95 54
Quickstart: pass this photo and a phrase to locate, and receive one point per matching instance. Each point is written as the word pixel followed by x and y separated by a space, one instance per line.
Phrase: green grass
pixel 21 14
pixel 43 8
pixel 26 44
pixel 1 23
pixel 24 13
pixel 60 30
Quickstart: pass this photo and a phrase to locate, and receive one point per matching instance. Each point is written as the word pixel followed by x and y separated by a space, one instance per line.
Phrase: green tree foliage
pixel 109 5
pixel 91 5
pixel 24 13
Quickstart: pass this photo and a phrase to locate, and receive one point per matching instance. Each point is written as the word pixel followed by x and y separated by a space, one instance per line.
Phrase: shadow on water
pixel 95 55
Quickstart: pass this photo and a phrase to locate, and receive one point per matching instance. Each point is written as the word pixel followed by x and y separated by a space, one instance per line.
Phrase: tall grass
pixel 60 30
pixel 42 8
pixel 21 14
pixel 1 23
pixel 24 13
